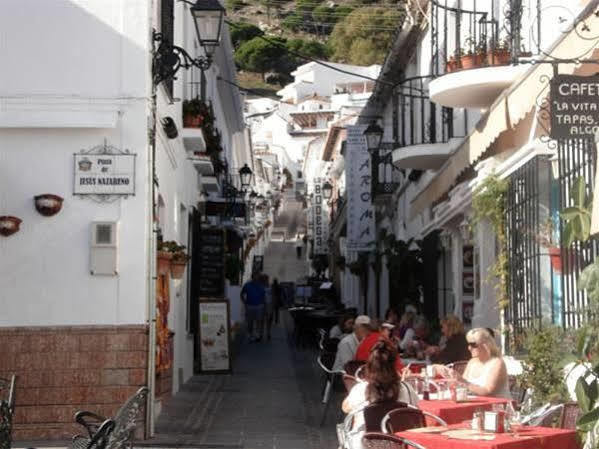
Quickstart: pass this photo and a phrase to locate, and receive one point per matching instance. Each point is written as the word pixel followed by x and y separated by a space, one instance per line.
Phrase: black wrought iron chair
pixel 98 441
pixel 7 410
pixel 349 382
pixel 125 420
pixel 352 366
pixel 376 440
pixel 407 418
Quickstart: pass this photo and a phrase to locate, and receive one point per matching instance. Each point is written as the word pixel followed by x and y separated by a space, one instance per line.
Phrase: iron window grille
pixel 167 29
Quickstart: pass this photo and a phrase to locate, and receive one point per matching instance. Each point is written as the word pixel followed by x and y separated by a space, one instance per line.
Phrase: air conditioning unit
pixel 103 251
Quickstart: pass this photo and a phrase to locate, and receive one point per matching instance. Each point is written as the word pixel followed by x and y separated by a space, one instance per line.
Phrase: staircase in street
pixel 280 259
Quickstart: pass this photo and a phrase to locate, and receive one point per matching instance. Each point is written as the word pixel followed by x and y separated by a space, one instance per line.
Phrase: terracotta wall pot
pixel 163 262
pixel 193 121
pixel 177 269
pixel 555 255
pixel 573 258
pixel 48 204
pixel 499 57
pixel 9 225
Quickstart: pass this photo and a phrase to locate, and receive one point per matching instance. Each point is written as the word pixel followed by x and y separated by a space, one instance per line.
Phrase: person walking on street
pixel 298 246
pixel 253 298
pixel 268 304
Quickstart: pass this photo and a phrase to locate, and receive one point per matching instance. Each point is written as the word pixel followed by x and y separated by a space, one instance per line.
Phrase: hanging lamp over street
pixel 327 190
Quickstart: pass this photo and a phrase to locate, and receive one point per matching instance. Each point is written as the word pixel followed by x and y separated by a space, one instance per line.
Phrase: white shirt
pixel 407 339
pixel 502 392
pixel 346 351
pixel 336 332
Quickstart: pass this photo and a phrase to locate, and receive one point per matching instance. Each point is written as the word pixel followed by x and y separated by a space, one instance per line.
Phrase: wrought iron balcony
pixel 426 132
pixel 476 47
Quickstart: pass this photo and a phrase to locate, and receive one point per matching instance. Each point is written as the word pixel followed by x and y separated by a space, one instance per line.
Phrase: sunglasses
pixel 472 345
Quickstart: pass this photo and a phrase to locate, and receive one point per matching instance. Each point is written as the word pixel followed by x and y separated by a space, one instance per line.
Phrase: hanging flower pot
pixel 163 264
pixel 178 268
pixel 48 204
pixel 555 254
pixel 9 225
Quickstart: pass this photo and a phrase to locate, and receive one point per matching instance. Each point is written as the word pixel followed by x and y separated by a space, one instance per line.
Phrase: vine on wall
pixel 489 203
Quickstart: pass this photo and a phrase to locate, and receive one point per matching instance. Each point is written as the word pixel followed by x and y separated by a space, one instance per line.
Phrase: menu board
pixel 212 263
pixel 214 336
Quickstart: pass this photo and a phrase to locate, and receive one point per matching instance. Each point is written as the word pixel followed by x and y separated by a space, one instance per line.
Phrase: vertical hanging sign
pixel 358 179
pixel 320 225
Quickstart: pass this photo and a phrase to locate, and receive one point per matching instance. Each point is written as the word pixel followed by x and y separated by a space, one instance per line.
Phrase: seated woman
pixel 343 328
pixel 381 383
pixel 455 347
pixel 485 374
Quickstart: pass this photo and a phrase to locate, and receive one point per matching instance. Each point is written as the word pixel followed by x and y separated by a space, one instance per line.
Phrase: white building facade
pixel 80 312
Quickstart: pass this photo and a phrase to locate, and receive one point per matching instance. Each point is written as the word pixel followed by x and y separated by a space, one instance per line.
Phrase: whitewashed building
pixel 466 105
pixel 79 294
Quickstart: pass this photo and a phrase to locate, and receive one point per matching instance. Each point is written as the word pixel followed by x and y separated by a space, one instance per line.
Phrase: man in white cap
pixel 348 345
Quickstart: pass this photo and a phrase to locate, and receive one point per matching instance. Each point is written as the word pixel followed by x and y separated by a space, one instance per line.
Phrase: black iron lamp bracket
pixel 168 59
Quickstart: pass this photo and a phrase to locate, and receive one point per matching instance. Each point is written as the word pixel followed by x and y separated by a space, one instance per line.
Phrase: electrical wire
pixel 308 58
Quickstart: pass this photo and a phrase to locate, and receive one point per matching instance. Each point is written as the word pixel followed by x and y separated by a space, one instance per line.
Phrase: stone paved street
pixel 271 401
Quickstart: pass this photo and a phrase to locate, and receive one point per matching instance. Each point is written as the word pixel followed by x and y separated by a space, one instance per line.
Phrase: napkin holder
pixel 494 422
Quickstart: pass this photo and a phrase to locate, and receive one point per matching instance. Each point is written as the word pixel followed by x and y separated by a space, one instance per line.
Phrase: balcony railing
pixel 479 34
pixel 420 121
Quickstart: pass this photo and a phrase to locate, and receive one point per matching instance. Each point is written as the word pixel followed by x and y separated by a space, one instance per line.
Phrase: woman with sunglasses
pixel 485 374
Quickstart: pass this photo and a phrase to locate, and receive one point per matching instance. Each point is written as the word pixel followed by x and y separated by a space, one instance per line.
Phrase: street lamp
pixel 445 238
pixel 327 190
pixel 210 14
pixel 245 174
pixel 374 135
pixel 169 58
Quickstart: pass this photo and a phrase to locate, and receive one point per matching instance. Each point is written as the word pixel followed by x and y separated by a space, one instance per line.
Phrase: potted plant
pixel 194 113
pixel 452 64
pixel 499 54
pixel 545 239
pixel 233 268
pixel 163 259
pixel 48 204
pixel 9 225
pixel 475 55
pixel 178 260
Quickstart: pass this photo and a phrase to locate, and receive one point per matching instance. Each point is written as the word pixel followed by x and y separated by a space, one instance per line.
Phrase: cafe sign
pixel 574 106
pixel 104 170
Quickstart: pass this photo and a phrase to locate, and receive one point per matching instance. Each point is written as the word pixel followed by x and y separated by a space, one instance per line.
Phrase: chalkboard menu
pixel 212 263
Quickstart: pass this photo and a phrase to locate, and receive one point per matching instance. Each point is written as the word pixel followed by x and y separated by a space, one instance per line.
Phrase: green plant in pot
pixel 179 257
pixel 195 112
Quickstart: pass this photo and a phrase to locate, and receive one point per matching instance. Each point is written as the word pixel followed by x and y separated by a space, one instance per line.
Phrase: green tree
pixel 325 17
pixel 243 32
pixel 258 55
pixel 234 5
pixel 292 22
pixel 364 36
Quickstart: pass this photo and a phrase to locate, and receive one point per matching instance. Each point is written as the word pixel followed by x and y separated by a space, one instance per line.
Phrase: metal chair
pixel 353 366
pixel 543 416
pixel 570 414
pixel 322 334
pixel 373 415
pixel 459 367
pixel 349 382
pixel 99 439
pixel 125 420
pixel 376 440
pixel 7 410
pixel 407 418
pixel 325 363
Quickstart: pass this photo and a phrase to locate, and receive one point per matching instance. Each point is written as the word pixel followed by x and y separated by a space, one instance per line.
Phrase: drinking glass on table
pixel 514 421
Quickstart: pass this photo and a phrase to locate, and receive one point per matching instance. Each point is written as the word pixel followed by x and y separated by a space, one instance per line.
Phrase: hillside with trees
pixel 270 36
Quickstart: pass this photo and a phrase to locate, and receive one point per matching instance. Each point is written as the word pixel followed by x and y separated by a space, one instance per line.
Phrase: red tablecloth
pixel 528 438
pixel 456 412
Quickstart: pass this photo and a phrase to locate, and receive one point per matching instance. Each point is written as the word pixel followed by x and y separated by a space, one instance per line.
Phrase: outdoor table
pixel 527 438
pixel 453 412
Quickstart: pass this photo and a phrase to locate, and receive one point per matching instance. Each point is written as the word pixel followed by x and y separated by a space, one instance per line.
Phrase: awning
pixel 510 108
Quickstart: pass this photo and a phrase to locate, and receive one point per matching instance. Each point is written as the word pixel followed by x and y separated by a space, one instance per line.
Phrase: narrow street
pixel 270 401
